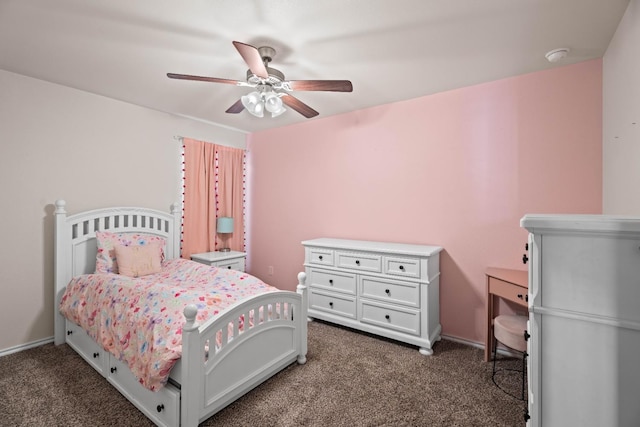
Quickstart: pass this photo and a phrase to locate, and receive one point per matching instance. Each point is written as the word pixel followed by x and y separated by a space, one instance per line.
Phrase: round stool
pixel 510 331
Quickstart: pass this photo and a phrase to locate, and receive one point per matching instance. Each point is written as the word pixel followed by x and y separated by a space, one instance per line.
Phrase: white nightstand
pixel 232 260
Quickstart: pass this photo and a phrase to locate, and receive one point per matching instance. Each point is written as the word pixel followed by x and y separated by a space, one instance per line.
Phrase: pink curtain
pixel 213 187
pixel 230 193
pixel 198 229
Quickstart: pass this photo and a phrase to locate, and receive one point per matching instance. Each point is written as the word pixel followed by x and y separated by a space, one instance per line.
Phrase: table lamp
pixel 224 225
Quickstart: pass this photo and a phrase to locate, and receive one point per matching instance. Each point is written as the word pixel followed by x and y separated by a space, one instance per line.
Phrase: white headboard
pixel 75 241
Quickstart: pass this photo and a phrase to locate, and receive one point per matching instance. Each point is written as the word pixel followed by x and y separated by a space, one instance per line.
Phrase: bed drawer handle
pixel 160 407
pixel 96 355
pixel 229 267
pixel 113 370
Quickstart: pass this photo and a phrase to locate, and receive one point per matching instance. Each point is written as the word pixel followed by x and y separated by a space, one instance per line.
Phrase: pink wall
pixel 456 169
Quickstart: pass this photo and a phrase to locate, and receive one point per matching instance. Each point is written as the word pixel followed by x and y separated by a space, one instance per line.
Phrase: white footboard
pixel 227 356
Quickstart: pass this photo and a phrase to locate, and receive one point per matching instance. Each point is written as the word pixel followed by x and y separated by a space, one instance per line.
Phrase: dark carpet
pixel 350 379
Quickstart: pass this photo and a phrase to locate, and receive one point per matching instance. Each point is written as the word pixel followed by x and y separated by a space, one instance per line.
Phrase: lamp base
pixel 224 250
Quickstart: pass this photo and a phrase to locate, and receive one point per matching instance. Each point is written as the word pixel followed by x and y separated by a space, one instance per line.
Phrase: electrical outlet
pixel 270 270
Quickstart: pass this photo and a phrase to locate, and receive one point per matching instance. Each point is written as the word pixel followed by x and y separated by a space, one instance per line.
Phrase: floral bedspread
pixel 139 320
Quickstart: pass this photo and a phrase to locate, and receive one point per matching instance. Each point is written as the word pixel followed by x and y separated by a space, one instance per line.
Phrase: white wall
pixel 57 142
pixel 621 117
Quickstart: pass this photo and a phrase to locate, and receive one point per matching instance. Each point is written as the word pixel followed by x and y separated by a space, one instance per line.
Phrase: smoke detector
pixel 556 55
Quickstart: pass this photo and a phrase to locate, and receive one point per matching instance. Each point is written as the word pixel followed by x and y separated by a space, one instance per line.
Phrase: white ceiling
pixel 390 50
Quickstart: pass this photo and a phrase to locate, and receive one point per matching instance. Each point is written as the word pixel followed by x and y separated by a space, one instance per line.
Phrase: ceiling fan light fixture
pixel 273 104
pixel 253 103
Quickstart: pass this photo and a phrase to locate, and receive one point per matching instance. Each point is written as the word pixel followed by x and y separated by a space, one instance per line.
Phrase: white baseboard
pixel 501 350
pixel 17 348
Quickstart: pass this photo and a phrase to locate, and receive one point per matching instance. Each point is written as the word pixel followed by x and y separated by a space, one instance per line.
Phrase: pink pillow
pixel 106 258
pixel 138 260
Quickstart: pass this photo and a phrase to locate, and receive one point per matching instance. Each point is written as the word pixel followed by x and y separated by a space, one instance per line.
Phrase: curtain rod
pixel 180 138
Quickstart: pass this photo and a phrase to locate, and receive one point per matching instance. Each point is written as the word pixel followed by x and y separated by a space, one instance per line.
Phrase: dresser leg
pixel 425 351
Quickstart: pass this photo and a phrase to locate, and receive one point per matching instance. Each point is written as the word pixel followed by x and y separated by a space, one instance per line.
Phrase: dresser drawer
pixel 390 291
pixel 405 267
pixel 162 406
pixel 403 320
pixel 331 280
pixel 341 305
pixel 86 347
pixel 321 256
pixel 359 261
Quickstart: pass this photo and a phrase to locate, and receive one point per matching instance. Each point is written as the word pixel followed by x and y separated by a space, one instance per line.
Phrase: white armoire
pixel 584 320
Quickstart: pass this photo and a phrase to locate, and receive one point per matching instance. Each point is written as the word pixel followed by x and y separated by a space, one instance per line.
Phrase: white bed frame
pixel 201 383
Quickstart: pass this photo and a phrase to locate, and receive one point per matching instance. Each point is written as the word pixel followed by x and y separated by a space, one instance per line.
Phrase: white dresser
pixel 584 321
pixel 387 289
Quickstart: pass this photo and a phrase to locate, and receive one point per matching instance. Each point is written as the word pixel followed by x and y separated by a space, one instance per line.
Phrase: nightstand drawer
pixel 395 292
pixel 390 317
pixel 232 260
pixel 341 305
pixel 333 281
pixel 359 261
pixel 232 264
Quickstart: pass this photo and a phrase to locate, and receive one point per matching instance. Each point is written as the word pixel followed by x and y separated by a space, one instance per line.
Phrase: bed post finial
pixel 190 313
pixel 60 204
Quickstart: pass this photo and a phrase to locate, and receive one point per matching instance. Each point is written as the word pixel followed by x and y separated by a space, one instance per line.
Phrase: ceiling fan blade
pixel 253 59
pixel 236 108
pixel 205 79
pixel 299 106
pixel 322 85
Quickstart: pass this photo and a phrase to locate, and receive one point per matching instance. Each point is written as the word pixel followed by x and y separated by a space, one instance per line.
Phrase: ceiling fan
pixel 271 88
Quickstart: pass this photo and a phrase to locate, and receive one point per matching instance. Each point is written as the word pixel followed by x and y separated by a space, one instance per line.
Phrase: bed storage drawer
pixel 162 406
pixel 86 347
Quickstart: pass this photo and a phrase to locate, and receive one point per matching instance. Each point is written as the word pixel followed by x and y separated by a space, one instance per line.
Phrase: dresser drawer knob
pixel 113 370
pixel 160 407
pixel 331 281
pixel 229 267
pixel 387 291
pixel 401 267
pixel 320 257
pixel 331 304
pixel 69 332
pixel 357 262
pixel 386 316
pixel 525 258
pixel 96 355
